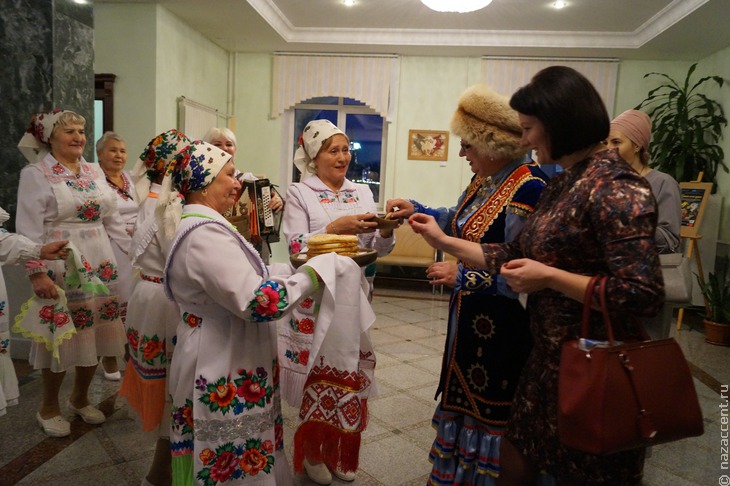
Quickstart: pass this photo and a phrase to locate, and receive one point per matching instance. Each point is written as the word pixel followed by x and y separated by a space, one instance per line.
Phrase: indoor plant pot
pixel 716 291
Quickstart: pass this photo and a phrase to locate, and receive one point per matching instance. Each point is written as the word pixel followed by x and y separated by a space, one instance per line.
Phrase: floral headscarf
pixel 314 135
pixel 197 166
pixel 192 170
pixel 35 143
pixel 156 157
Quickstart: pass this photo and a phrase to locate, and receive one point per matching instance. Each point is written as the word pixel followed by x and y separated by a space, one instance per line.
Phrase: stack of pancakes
pixel 345 245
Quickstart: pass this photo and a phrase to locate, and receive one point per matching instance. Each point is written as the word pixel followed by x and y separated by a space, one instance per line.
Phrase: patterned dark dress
pixel 488 337
pixel 596 218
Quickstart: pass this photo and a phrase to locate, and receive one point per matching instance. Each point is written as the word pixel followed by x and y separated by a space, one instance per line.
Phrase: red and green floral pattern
pixel 251 389
pixel 346 197
pixel 83 318
pixel 269 302
pixel 279 432
pixel 296 243
pixel 107 271
pixel 192 320
pixel 133 339
pixel 89 211
pixel 297 357
pixel 234 462
pixel 81 185
pixel 304 325
pixel 109 310
pixel 182 418
pixel 53 317
pixel 151 350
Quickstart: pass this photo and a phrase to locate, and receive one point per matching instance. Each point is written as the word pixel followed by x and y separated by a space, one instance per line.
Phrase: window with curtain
pixel 363 127
pixel 358 93
pixel 372 80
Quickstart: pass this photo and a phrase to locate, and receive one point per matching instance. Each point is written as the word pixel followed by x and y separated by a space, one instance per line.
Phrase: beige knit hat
pixel 485 120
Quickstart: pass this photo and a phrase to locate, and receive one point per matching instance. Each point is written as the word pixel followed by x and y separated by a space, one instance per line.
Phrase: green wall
pixel 157 58
pixel 160 59
pixel 719 65
pixel 125 44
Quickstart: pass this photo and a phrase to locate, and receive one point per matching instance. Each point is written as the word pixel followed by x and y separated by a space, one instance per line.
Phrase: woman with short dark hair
pixel 597 217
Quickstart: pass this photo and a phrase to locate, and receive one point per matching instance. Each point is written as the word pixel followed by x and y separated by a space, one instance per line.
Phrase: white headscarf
pixel 313 137
pixel 35 143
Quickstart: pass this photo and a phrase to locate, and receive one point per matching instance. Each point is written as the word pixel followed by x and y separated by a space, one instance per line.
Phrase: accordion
pixel 262 222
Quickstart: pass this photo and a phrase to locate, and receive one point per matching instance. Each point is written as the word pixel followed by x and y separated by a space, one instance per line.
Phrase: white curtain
pixel 506 75
pixel 372 80
pixel 196 118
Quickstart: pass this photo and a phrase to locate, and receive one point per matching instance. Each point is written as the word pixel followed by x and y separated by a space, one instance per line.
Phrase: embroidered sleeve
pixel 269 301
pixel 296 243
pixel 35 266
pixel 442 216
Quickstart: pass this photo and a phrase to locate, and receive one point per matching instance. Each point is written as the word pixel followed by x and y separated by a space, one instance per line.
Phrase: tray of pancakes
pixel 345 245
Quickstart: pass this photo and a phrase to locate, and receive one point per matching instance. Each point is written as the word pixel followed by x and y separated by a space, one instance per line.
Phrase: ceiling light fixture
pixel 348 3
pixel 560 4
pixel 460 6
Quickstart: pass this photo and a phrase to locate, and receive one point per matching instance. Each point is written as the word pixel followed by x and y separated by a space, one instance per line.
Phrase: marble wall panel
pixel 46 62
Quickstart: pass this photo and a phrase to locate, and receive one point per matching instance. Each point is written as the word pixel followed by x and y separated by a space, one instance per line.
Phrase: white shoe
pixel 345 476
pixel 116 376
pixel 88 414
pixel 55 426
pixel 318 473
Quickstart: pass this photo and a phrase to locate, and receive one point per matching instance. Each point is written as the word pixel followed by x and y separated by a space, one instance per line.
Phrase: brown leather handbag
pixel 619 396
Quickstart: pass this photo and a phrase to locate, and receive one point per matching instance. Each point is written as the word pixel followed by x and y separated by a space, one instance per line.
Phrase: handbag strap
pixel 644 419
pixel 588 304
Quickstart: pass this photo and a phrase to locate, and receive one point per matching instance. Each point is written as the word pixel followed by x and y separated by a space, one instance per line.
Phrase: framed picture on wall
pixel 428 145
pixel 694 199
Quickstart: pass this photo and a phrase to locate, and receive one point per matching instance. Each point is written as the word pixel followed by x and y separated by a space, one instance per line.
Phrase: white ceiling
pixel 628 29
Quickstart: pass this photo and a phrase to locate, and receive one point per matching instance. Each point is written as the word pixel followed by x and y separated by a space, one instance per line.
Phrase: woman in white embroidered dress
pixel 326 202
pixel 227 425
pixel 111 151
pixel 152 319
pixel 13 249
pixel 61 196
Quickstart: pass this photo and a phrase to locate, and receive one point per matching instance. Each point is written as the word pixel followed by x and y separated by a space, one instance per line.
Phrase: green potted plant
pixel 716 291
pixel 687 126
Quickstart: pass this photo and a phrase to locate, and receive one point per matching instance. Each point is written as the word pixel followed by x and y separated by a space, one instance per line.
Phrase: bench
pixel 411 251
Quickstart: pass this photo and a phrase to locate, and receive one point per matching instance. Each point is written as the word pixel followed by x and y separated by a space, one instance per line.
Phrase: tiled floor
pixel 408 337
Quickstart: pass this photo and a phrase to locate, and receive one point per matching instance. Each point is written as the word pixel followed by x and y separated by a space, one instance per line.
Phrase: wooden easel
pixel 693 248
pixel 690 234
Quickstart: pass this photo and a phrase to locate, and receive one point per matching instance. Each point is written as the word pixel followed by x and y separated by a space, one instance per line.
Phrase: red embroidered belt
pixel 151 278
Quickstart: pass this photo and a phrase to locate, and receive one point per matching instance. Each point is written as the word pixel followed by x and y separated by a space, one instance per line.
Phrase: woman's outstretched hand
pixel 55 250
pixel 399 208
pixel 426 226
